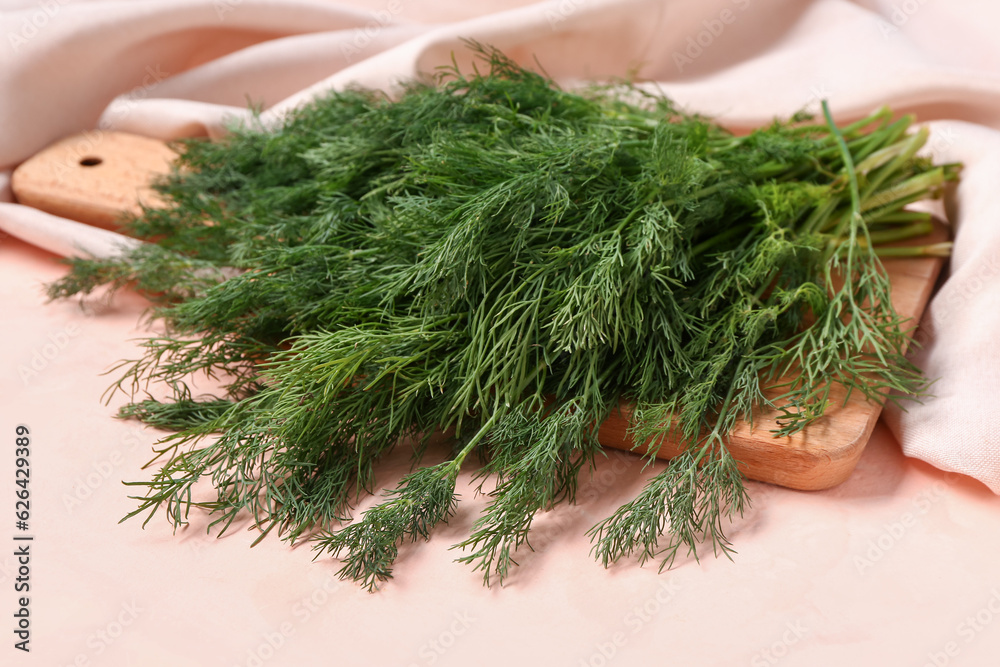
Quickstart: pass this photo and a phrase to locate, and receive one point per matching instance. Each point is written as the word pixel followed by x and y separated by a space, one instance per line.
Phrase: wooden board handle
pixel 94 177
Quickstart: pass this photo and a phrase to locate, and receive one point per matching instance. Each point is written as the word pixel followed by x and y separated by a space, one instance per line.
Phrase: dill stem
pixel 942 249
pixel 451 470
pixel 704 192
pixel 720 428
pixel 710 243
pixel 854 219
pixel 900 217
pixel 902 233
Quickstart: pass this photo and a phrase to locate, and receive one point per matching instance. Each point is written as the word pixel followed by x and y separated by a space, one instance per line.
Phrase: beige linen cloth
pixel 172 68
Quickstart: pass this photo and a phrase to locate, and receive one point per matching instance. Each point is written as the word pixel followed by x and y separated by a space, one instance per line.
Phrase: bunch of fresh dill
pixel 498 259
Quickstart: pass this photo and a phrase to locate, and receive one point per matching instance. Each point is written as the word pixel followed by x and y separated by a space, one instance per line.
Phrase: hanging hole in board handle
pixel 94 177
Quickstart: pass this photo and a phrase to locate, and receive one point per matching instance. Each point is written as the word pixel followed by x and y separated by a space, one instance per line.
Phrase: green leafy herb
pixel 498 259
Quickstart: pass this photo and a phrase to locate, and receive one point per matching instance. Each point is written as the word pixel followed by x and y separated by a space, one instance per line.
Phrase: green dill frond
pixel 496 258
pixel 369 546
pixel 175 415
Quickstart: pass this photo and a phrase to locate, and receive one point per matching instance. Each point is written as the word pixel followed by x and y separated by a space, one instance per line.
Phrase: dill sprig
pixel 495 258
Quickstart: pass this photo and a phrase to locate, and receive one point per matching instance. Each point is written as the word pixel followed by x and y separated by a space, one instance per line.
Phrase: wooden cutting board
pixel 97 176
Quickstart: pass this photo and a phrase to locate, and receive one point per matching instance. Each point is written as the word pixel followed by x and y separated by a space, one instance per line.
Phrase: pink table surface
pixel 897 566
